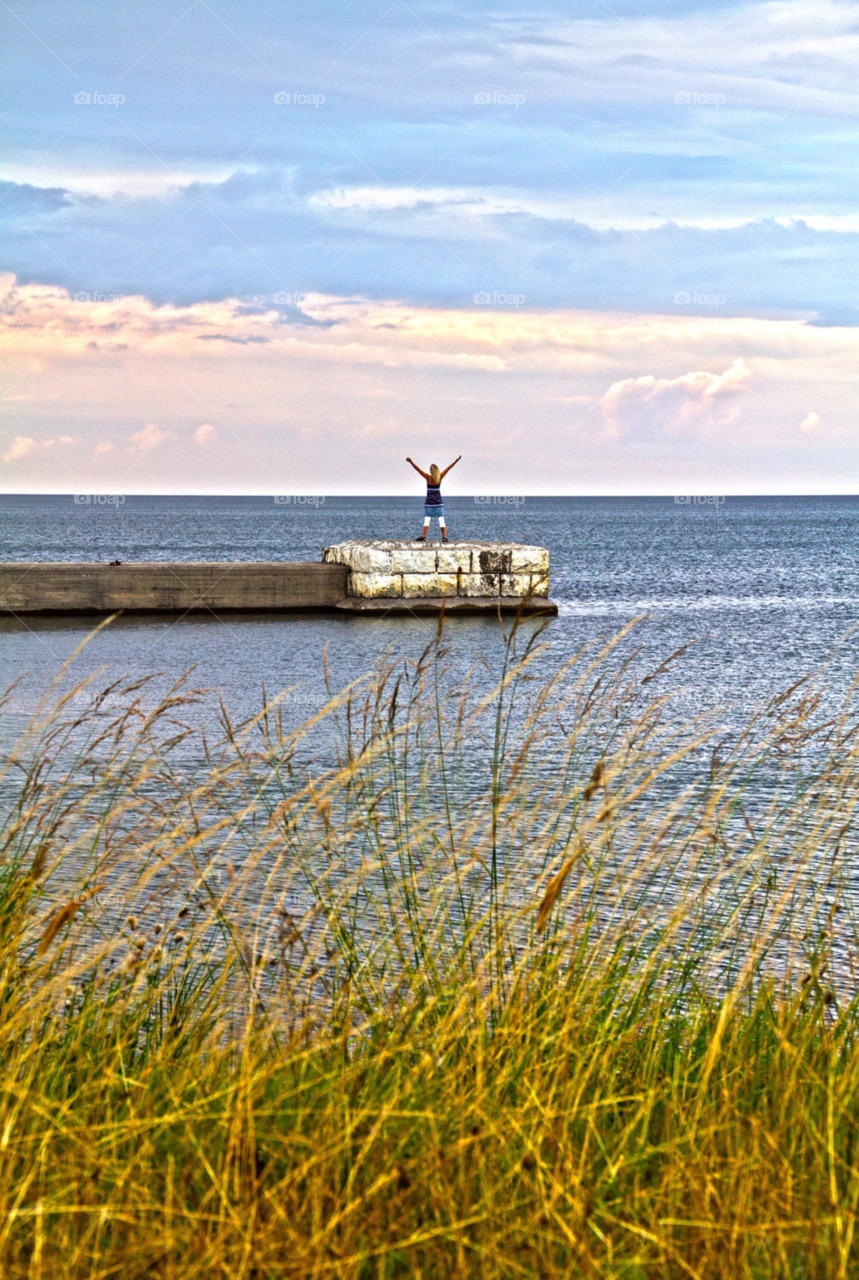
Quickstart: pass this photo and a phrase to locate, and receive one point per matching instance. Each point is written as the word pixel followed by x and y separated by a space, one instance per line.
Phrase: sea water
pixel 764 590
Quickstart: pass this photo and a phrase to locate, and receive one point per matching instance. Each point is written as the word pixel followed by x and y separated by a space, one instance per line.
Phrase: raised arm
pixel 417 468
pixel 450 468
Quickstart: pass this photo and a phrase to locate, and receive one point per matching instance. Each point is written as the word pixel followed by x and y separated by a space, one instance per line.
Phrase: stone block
pixel 453 558
pixel 523 584
pixel 370 586
pixel 362 557
pixel 480 584
pixel 529 560
pixel 493 560
pixel 416 585
pixel 406 560
pixel 515 584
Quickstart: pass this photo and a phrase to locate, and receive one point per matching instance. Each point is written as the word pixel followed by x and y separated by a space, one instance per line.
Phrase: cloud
pixel 264 237
pixel 19 448
pixel 150 437
pixel 814 427
pixel 646 157
pixel 206 434
pixel 692 403
pixel 24 200
pixel 226 337
pixel 568 401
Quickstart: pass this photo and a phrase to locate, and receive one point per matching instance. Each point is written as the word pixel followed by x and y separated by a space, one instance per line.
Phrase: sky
pixel 275 248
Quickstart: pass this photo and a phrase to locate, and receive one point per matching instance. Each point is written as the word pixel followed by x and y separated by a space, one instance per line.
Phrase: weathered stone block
pixel 493 560
pixel 452 558
pixel 363 557
pixel 480 584
pixel 523 584
pixel 369 586
pixel 529 560
pixel 422 560
pixel 515 584
pixel 416 585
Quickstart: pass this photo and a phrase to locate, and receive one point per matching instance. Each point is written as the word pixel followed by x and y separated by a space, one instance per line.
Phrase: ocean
pixel 763 591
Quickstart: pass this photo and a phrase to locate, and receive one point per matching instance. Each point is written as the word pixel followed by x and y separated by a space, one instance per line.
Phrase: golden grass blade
pixel 553 890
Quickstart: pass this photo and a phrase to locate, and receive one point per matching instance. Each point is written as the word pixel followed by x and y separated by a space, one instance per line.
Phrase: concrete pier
pixel 177 587
pixel 378 577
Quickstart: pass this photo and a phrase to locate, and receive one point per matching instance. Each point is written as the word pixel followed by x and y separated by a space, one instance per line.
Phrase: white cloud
pixel 206 434
pixel 385 199
pixel 150 437
pixel 812 423
pixel 562 399
pixel 674 406
pixel 19 448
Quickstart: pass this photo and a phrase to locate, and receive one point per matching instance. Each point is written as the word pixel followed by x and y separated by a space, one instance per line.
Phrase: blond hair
pixel 435 474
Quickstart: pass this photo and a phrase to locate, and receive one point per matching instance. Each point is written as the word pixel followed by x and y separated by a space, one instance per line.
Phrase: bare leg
pixel 423 536
pixel 441 526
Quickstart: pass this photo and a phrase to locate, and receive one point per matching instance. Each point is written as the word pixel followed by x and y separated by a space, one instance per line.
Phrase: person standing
pixel 433 504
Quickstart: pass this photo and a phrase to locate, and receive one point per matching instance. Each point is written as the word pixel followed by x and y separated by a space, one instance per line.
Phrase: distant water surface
pixel 768 588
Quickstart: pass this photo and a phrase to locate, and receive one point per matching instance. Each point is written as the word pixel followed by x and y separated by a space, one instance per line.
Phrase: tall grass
pixel 533 983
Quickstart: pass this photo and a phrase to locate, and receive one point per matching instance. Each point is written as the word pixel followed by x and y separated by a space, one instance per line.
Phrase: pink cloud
pixel 674 406
pixel 149 437
pixel 19 448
